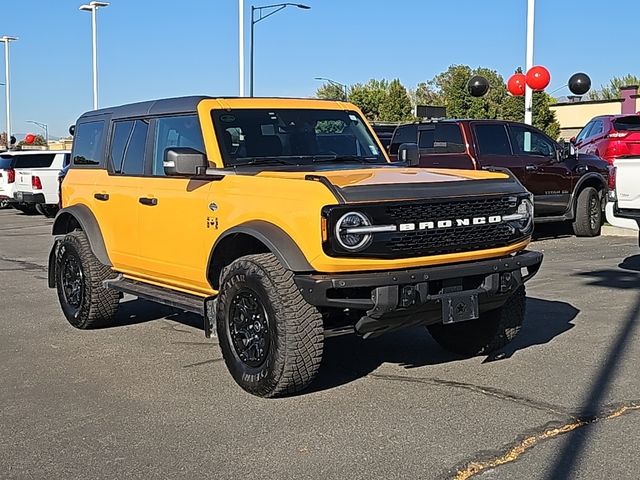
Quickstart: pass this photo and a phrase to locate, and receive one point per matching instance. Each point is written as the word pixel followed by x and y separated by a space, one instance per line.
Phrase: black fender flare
pixel 274 238
pixel 89 225
pixel 581 181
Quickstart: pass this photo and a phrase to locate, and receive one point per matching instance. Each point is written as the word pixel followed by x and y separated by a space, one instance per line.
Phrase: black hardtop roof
pixel 151 107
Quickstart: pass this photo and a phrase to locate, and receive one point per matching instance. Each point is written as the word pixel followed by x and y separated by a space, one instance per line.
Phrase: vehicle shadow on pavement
pixel 132 312
pixel 626 277
pixel 631 263
pixel 545 231
pixel 349 358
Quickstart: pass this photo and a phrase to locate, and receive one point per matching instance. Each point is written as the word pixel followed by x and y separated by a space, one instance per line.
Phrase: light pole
pixel 241 45
pixel 93 7
pixel 7 87
pixel 274 9
pixel 344 87
pixel 528 93
pixel 44 127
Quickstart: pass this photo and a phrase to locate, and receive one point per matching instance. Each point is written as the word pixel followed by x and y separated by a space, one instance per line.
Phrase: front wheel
pixel 492 331
pixel 271 338
pixel 588 221
pixel 85 302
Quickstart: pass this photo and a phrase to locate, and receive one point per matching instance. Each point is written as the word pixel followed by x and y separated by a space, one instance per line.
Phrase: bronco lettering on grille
pixel 458 222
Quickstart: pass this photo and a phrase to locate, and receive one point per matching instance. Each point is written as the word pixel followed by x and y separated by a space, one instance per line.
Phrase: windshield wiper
pixel 242 161
pixel 345 158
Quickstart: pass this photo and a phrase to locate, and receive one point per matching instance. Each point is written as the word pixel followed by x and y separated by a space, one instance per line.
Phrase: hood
pixel 386 184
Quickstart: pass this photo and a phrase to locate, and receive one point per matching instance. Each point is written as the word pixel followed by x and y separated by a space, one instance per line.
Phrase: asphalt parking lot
pixel 150 397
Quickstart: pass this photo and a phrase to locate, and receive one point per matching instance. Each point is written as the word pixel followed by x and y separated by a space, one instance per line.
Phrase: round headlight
pixel 347 231
pixel 526 210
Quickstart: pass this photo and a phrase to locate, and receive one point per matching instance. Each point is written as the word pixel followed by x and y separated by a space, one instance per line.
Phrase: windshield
pixel 631 123
pixel 293 136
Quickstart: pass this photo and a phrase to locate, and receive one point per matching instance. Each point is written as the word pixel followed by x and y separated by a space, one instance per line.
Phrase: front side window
pixel 441 138
pixel 492 139
pixel 179 131
pixel 128 146
pixel 597 129
pixel 87 143
pixel 530 142
pixel 293 136
pixel 584 133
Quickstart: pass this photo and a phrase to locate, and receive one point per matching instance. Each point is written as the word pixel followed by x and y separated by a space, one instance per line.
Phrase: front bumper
pixel 398 298
pixel 28 197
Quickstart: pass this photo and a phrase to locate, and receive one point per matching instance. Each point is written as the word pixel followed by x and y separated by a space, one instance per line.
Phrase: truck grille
pixel 434 241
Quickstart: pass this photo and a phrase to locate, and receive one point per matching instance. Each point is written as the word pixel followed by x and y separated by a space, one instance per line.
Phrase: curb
pixel 611 231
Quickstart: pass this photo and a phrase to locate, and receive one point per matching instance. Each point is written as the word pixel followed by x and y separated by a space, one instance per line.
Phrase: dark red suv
pixel 610 136
pixel 567 186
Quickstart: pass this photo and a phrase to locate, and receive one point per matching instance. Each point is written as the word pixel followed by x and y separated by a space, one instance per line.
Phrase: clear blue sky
pixel 161 48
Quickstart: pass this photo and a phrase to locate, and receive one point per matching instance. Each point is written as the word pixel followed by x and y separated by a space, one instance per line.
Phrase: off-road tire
pixel 295 327
pixel 26 209
pixel 588 221
pixel 4 203
pixel 492 331
pixel 97 305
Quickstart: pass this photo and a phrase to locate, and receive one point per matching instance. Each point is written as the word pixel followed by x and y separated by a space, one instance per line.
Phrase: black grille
pixel 435 241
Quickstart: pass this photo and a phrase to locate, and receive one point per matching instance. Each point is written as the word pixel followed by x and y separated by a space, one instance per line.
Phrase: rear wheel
pixel 492 331
pixel 4 203
pixel 24 208
pixel 588 221
pixel 48 211
pixel 85 301
pixel 271 338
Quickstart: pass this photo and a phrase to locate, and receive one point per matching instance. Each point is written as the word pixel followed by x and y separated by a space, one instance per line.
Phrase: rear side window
pixel 441 138
pixel 625 124
pixel 87 143
pixel 6 162
pixel 34 161
pixel 403 134
pixel 128 146
pixel 492 139
pixel 182 131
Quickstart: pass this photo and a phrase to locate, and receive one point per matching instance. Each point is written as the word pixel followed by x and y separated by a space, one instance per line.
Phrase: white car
pixel 36 186
pixel 623 210
pixel 7 179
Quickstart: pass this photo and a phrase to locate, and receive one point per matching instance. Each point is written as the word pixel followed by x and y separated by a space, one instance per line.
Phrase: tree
pixel 426 94
pixel 612 90
pixel 396 105
pixel 543 117
pixel 331 91
pixel 369 97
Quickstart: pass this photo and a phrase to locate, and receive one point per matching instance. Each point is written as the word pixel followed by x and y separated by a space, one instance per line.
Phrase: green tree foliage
pixel 38 142
pixel 369 97
pixel 396 105
pixel 330 91
pixel 426 94
pixel 612 90
pixel 543 117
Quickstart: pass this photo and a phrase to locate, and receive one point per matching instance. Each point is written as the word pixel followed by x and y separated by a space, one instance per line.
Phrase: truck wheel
pixel 48 211
pixel 492 331
pixel 271 338
pixel 588 221
pixel 4 203
pixel 26 209
pixel 79 275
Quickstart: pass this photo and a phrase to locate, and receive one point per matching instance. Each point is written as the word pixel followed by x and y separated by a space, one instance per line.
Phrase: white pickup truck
pixel 36 180
pixel 624 209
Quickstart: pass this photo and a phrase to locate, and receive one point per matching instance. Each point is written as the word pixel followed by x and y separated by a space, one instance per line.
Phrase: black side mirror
pixel 566 150
pixel 409 153
pixel 184 161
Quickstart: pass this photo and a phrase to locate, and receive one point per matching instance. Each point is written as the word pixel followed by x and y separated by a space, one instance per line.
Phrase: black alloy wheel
pixel 249 328
pixel 72 280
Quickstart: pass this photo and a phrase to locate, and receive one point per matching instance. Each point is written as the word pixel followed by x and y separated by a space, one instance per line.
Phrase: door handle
pixel 148 201
pixel 103 197
pixel 531 168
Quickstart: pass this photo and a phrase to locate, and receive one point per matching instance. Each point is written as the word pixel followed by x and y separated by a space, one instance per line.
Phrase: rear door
pixel 494 148
pixel 550 180
pixel 442 145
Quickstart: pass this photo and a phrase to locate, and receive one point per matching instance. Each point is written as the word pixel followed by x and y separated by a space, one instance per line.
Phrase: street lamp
pixel 344 87
pixel 93 7
pixel 274 9
pixel 43 126
pixel 528 93
pixel 6 40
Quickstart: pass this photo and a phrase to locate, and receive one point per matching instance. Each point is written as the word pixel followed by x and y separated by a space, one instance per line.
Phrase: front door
pixel 547 176
pixel 173 212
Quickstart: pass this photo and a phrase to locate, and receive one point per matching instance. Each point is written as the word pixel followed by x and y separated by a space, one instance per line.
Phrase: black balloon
pixel 478 86
pixel 579 83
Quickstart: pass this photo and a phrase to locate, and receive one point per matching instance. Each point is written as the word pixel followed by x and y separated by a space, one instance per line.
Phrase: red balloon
pixel 29 138
pixel 516 84
pixel 538 78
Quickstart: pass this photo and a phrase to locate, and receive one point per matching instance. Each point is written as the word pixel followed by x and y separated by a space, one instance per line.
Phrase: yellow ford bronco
pixel 282 222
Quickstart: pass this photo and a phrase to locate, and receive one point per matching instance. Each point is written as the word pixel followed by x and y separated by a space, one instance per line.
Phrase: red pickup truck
pixel 567 186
